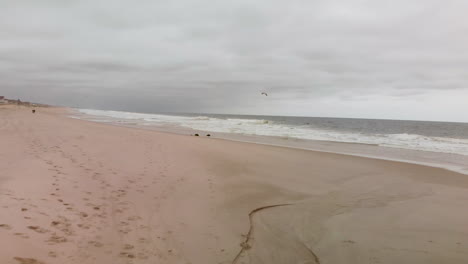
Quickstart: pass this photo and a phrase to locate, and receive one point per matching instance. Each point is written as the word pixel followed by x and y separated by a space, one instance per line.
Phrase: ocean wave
pixel 420 142
pixel 262 127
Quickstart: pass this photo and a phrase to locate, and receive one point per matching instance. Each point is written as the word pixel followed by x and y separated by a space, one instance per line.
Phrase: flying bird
pixel 263 93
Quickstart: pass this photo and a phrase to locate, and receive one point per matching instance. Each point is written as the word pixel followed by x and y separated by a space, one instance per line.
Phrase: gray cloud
pixel 217 56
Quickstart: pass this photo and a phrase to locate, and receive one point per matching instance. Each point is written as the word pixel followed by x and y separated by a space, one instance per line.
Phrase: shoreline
pixel 80 192
pixel 314 145
pixel 432 165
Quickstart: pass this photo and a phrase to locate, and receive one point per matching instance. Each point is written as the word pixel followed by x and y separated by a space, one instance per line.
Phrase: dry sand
pixel 73 191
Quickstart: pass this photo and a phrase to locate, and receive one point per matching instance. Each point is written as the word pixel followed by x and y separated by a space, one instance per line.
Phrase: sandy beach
pixel 74 191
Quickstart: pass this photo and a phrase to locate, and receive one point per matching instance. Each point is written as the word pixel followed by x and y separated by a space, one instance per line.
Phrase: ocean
pixel 417 135
pixel 422 142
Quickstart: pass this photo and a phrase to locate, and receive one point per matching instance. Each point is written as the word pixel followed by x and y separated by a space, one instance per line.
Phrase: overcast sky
pixel 402 59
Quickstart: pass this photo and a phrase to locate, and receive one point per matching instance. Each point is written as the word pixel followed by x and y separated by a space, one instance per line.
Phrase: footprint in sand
pixel 142 256
pixel 126 255
pixel 125 231
pixel 96 243
pixel 21 235
pixel 38 229
pixel 5 226
pixel 28 260
pixel 128 247
pixel 83 226
pixel 55 239
pixel 83 214
pixel 134 218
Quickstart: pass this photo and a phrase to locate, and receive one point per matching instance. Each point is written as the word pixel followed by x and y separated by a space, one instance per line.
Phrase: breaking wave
pixel 262 127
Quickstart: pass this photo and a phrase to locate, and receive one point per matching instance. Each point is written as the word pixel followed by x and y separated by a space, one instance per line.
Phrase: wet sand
pixel 73 191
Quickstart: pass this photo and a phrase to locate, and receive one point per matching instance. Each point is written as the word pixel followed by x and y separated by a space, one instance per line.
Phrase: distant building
pixel 3 100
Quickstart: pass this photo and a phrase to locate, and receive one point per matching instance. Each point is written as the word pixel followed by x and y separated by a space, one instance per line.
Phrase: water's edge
pixel 449 161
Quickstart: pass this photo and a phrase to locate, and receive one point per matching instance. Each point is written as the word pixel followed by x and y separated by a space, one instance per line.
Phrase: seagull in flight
pixel 263 93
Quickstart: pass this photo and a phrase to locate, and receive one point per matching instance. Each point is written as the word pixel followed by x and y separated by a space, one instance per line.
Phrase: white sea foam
pixel 269 128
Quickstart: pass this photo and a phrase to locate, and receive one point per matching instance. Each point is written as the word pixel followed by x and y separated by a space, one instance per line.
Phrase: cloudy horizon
pixel 360 58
